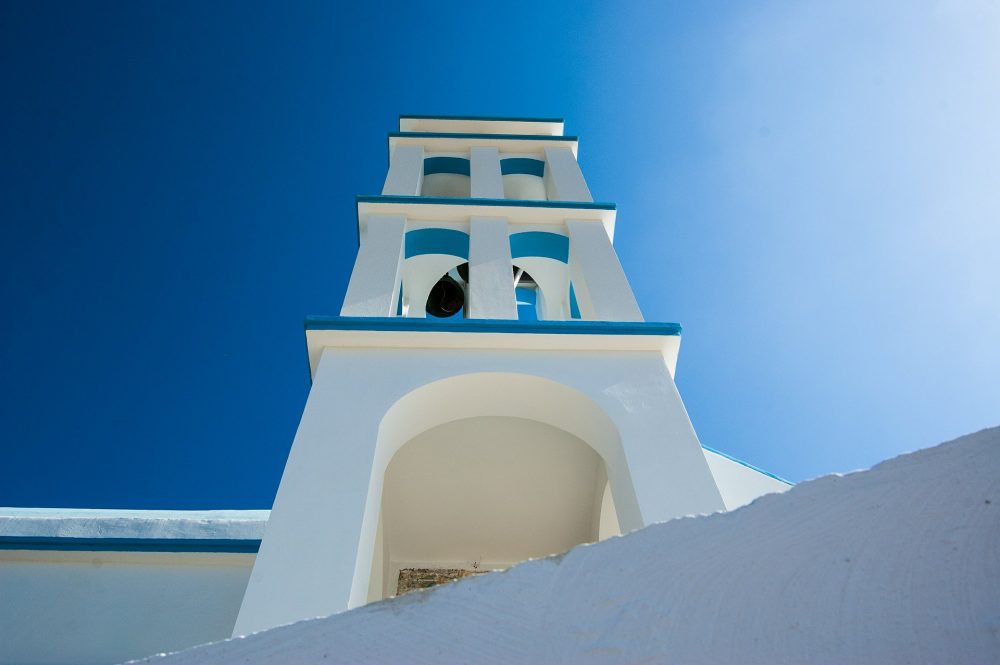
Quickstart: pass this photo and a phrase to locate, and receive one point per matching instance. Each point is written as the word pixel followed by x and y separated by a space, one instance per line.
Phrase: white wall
pixel 108 607
pixel 739 483
pixel 492 491
pixel 897 565
pixel 622 404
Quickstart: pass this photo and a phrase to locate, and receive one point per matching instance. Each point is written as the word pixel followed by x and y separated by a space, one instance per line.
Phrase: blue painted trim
pixel 69 544
pixel 539 244
pixel 468 135
pixel 507 203
pixel 437 241
pixel 748 465
pixel 574 307
pixel 393 324
pixel 456 165
pixel 522 166
pixel 477 117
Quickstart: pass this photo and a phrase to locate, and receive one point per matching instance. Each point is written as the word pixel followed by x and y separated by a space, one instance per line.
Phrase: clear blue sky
pixel 812 189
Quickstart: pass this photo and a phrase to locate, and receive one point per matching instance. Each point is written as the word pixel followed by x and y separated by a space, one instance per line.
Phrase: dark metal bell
pixel 446 298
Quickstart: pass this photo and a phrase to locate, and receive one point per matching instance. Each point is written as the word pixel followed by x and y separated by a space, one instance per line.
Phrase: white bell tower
pixel 489 392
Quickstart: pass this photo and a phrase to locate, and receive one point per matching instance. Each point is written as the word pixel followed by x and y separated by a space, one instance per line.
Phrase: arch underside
pixel 481 471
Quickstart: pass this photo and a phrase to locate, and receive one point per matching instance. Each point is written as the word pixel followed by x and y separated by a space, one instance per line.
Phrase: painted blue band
pixel 523 166
pixel 437 241
pixel 507 203
pixel 539 244
pixel 477 117
pixel 470 135
pixel 69 544
pixel 394 324
pixel 574 306
pixel 748 465
pixel 456 165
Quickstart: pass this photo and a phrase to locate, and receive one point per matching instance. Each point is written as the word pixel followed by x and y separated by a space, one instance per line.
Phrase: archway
pixel 505 434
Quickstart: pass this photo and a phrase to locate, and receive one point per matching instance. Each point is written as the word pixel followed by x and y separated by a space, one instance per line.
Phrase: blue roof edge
pixel 404 324
pixel 74 544
pixel 749 466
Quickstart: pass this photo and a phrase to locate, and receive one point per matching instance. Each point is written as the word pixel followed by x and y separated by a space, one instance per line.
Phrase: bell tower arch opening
pixel 481 471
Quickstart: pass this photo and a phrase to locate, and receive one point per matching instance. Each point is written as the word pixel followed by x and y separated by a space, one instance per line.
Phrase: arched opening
pixel 481 471
pixel 484 493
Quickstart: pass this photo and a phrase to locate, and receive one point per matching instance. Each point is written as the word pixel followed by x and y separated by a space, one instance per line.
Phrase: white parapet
pixel 487 183
pixel 896 565
pixel 374 286
pixel 406 171
pixel 564 180
pixel 602 290
pixel 491 285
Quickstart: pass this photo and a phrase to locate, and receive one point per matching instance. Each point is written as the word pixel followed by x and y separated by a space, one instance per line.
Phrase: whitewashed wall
pixel 83 607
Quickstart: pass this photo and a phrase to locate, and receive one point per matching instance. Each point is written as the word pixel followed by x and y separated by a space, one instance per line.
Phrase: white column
pixel 308 558
pixel 491 285
pixel 563 179
pixel 487 183
pixel 602 290
pixel 374 286
pixel 406 171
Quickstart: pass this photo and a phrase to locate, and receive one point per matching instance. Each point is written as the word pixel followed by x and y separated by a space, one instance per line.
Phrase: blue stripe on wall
pixel 457 165
pixel 437 241
pixel 539 244
pixel 522 165
pixel 69 544
pixel 574 307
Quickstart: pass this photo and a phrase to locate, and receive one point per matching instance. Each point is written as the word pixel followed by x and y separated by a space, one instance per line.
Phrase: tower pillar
pixel 374 286
pixel 602 289
pixel 564 180
pixel 406 171
pixel 487 182
pixel 490 282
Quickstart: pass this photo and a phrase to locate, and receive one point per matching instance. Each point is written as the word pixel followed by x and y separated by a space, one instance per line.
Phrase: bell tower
pixel 489 392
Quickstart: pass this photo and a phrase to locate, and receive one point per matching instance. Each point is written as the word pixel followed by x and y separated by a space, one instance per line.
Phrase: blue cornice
pixel 508 203
pixel 476 117
pixel 403 324
pixel 747 465
pixel 462 135
pixel 69 544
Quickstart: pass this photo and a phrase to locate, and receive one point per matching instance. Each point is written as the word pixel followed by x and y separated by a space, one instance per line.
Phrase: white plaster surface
pixel 738 483
pixel 564 180
pixel 491 285
pixel 602 289
pixel 406 171
pixel 374 286
pixel 898 564
pixel 103 523
pixel 365 404
pixel 485 169
pixel 78 607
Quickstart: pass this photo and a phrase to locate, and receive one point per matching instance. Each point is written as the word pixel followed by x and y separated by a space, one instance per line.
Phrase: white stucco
pixel 624 405
pixel 491 286
pixel 406 171
pixel 896 565
pixel 602 289
pixel 374 286
pixel 484 164
pixel 93 601
pixel 487 492
pixel 564 180
pixel 482 125
pixel 739 483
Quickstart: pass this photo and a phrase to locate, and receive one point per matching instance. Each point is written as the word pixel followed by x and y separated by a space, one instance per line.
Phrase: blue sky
pixel 811 189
